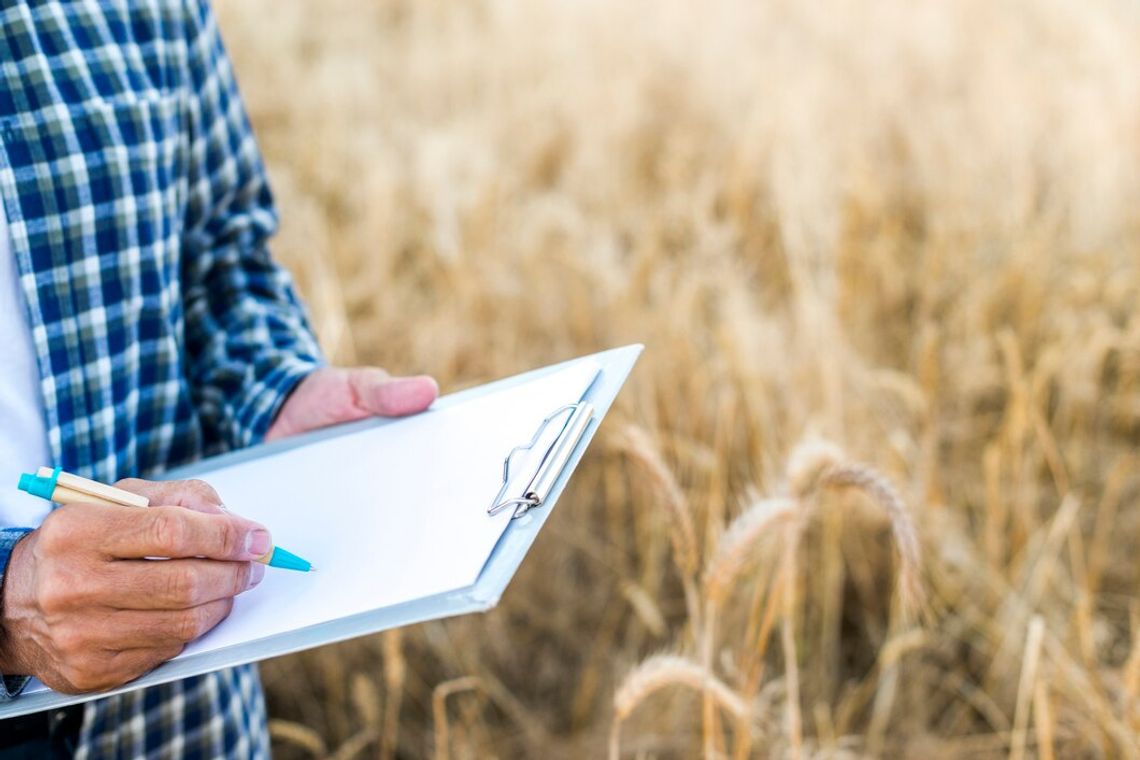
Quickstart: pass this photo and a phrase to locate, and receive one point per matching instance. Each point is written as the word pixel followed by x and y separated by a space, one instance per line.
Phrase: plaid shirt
pixel 138 211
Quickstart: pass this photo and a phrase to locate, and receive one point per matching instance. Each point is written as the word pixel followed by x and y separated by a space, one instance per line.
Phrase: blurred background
pixel 872 490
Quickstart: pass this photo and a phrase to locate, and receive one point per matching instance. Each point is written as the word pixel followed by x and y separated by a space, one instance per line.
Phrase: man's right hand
pixel 84 610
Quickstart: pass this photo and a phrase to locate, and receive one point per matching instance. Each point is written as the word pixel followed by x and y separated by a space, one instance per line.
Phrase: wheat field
pixel 874 488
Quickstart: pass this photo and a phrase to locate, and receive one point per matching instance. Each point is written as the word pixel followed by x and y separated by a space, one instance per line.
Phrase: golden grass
pixel 909 228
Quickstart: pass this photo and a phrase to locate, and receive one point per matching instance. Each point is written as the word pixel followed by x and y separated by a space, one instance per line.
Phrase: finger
pixel 391 396
pixel 192 494
pixel 177 584
pixel 138 629
pixel 98 669
pixel 130 533
pixel 130 664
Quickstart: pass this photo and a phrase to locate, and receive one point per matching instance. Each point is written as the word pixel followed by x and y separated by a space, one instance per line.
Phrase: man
pixel 142 325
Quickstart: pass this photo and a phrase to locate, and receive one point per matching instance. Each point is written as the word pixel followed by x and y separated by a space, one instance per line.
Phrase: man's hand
pixel 83 610
pixel 332 395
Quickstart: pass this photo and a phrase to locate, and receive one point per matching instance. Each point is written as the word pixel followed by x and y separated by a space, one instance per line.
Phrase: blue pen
pixel 65 488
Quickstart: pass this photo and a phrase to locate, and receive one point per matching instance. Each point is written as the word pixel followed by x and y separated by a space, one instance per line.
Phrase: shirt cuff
pixel 10 686
pixel 275 380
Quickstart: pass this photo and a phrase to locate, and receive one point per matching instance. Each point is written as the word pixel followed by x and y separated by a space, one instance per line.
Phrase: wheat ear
pixel 731 553
pixel 880 491
pixel 659 671
pixel 662 670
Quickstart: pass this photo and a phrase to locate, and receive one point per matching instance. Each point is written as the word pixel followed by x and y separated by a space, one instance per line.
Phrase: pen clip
pixel 553 461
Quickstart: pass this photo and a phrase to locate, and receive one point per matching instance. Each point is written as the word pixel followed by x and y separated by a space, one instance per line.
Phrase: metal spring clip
pixel 553 462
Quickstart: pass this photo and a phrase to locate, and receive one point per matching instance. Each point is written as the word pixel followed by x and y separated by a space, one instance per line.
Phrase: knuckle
pixel 71 643
pixel 192 623
pixel 203 491
pixel 60 586
pixel 57 530
pixel 229 537
pixel 167 530
pixel 241 577
pixel 213 614
pixel 61 589
pixel 187 625
pixel 182 585
pixel 56 598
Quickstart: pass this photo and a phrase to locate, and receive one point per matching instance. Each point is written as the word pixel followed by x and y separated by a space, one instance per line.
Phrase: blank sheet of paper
pixel 388 514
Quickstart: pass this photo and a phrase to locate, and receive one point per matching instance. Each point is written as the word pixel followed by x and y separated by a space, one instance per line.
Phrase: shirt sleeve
pixel 248 341
pixel 10 686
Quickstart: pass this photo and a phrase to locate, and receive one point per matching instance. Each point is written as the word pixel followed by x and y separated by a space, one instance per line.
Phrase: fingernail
pixel 256 573
pixel 258 543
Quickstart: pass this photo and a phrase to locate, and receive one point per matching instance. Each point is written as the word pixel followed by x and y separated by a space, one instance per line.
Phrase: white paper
pixel 390 514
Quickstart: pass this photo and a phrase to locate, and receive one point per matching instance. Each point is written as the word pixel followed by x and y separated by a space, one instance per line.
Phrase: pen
pixel 65 488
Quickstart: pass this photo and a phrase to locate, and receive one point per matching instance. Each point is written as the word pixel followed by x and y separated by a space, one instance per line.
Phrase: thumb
pixel 376 393
pixel 332 395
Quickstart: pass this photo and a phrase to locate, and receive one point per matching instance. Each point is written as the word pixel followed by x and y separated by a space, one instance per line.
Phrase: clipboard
pixel 530 507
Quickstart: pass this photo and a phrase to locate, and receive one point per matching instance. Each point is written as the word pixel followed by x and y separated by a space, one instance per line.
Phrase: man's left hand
pixel 332 395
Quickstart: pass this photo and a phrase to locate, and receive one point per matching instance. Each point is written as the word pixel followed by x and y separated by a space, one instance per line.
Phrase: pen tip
pixel 312 569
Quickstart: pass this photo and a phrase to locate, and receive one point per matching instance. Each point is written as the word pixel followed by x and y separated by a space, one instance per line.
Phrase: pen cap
pixel 37 486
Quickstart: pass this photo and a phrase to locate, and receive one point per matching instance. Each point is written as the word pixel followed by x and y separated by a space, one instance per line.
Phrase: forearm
pixel 248 343
pixel 249 354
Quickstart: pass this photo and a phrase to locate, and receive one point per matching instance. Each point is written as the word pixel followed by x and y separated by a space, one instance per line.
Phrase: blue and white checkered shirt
pixel 138 212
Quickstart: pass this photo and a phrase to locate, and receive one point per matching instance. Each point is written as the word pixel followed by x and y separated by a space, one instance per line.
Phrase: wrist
pixel 13 595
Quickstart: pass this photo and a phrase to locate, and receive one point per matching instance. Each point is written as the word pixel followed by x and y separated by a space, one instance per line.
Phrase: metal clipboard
pixel 532 508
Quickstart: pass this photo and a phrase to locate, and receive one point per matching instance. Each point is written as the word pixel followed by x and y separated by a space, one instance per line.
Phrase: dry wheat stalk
pixel 662 670
pixel 729 558
pixel 731 553
pixel 356 744
pixel 657 672
pixel 439 697
pixel 883 493
pixel 395 670
pixel 816 464
pixel 1026 686
pixel 1043 719
pixel 813 466
pixel 886 688
pixel 366 700
pixel 788 602
pixel 300 735
pixel 1130 675
pixel 637 444
pixel 808 462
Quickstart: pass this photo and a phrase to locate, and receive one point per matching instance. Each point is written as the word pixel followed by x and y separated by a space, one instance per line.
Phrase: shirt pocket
pixel 136 171
pixel 133 154
pixel 133 151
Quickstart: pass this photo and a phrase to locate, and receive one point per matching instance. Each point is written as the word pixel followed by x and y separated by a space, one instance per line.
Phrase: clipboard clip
pixel 553 461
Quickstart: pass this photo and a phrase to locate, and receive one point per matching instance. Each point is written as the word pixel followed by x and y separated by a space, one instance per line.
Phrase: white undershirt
pixel 23 434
